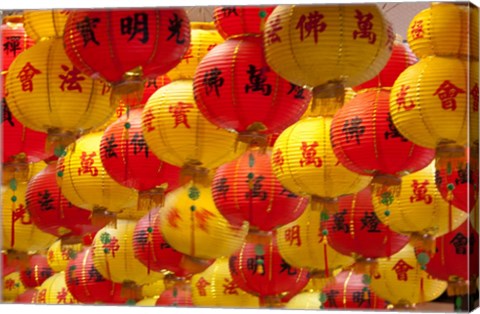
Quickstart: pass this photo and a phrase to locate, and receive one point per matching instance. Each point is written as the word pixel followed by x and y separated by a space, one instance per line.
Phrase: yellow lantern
pixel 473 109
pixel 303 243
pixel 203 38
pixel 304 162
pixel 305 301
pixel 114 258
pixel 40 24
pixel 154 289
pixel 54 290
pixel 192 225
pixel 401 280
pixel 445 29
pixel 429 103
pixel 12 287
pixel 419 210
pixel 215 288
pixel 148 301
pixel 85 182
pixel 328 47
pixel 59 255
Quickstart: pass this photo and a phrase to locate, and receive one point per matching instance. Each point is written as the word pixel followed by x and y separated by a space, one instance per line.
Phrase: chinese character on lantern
pixel 474 94
pixel 41 296
pixel 111 146
pixel 278 159
pixel 339 222
pixel 12 45
pixel 212 81
pixel 6 113
pixel 271 35
pixel 172 217
pixel 86 29
pixel 292 235
pixel 463 177
pixel 390 38
pixel 231 264
pixel 297 91
pixel 256 265
pixel 188 55
pixel 331 297
pixel 202 217
pixel 86 165
pixel 174 29
pixel 201 285
pixel 141 238
pixel 111 245
pixel 227 11
pixel 255 186
pixel 460 242
pixel 353 129
pixel 229 287
pixel 45 200
pixel 447 92
pixel 286 267
pixel 258 78
pixel 401 101
pixel 370 221
pixel 9 284
pixel 393 131
pixel 287 193
pixel 147 120
pixel 20 213
pixel 26 76
pixel 417 29
pixel 361 296
pixel 62 296
pixel 179 112
pixel 420 192
pixel 71 78
pixel 139 144
pixel 309 153
pixel 402 268
pixel 222 187
pixel 312 23
pixel 365 25
pixel 138 24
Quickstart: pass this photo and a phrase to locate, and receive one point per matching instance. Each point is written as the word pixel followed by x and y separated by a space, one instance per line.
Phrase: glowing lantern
pixel 113 256
pixel 85 182
pixel 42 24
pixel 304 162
pixel 27 297
pixel 14 39
pixel 215 287
pixel 402 282
pixel 235 89
pixel 179 295
pixel 12 287
pixel 36 272
pixel 178 134
pixel 241 20
pixel 59 255
pixel 148 42
pixel 259 269
pixel 443 30
pixel 54 290
pixel 153 290
pixel 247 189
pixel 192 224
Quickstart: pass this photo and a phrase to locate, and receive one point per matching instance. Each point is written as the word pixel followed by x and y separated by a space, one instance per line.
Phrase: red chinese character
pixel 314 24
pixel 65 254
pixel 309 153
pixel 278 159
pixel 147 120
pixel 402 268
pixel 51 256
pixel 106 88
pixel 446 93
pixel 474 94
pixel 271 35
pixel 179 112
pixel 188 55
pixel 202 216
pixel 86 165
pixel 201 284
pixel 390 38
pixel 292 234
pixel 41 296
pixel 401 101
pixel 229 287
pixel 121 109
pixel 111 246
pixel 62 296
pixel 20 213
pixel 420 192
pixel 26 76
pixel 172 217
pixel 71 78
pixel 417 29
pixel 10 284
pixel 365 25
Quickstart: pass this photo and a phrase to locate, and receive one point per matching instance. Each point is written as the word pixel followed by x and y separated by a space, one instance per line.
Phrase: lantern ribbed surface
pixel 241 20
pixel 14 39
pixel 27 297
pixel 153 290
pixel 41 24
pixel 54 290
pixel 12 287
pixel 59 255
pixel 36 271
pixel 179 295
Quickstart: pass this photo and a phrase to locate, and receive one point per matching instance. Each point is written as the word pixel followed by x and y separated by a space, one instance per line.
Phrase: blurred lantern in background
pixel 44 24
pixel 309 300
pixel 54 290
pixel 233 21
pixel 14 39
pixel 36 272
pixel 153 290
pixel 12 287
pixel 27 297
pixel 148 43
pixel 177 295
pixel 60 254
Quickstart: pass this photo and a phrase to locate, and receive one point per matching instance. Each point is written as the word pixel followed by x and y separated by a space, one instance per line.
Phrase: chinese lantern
pixel 14 39
pixel 12 287
pixel 59 255
pixel 87 285
pixel 309 300
pixel 401 281
pixel 259 269
pixel 36 272
pixel 329 47
pixel 235 89
pixel 151 85
pixel 178 295
pixel 241 20
pixel 355 230
pixel 27 297
pixel 305 243
pixel 129 161
pixel 445 29
pixel 419 210
pixel 148 43
pixel 215 287
pixel 304 162
pixel 148 301
pixel 113 256
pixel 54 290
pixel 178 134
pixel 247 189
pixel 153 290
pixel 85 183
pixel 43 24
pixel 192 225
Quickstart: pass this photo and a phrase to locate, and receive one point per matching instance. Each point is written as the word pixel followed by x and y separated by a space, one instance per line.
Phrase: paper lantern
pixel 42 24
pixel 215 287
pixel 192 224
pixel 27 297
pixel 179 295
pixel 12 287
pixel 241 20
pixel 304 162
pixel 147 302
pixel 401 281
pixel 85 182
pixel 178 134
pixel 87 285
pixel 54 290
pixel 36 272
pixel 59 255
pixel 305 301
pixel 259 269
pixel 14 39
pixel 153 290
pixel 235 89
pixel 113 255
pixel 445 29
pixel 151 85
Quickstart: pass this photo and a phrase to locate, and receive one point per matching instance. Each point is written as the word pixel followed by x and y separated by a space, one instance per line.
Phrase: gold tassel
pixel 457 286
pixel 367 266
pixel 129 91
pixel 424 242
pixel 193 171
pixel 150 199
pixel 327 99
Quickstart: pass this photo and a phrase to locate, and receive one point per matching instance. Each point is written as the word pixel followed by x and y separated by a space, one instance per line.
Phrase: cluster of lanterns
pixel 286 157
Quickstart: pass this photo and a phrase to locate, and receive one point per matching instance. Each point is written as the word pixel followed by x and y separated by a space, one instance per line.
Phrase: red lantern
pixel 247 189
pixel 51 211
pixel 235 89
pixel 36 271
pixel 350 291
pixel 14 39
pixel 402 57
pixel 259 269
pixel 28 297
pixel 178 295
pixel 241 20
